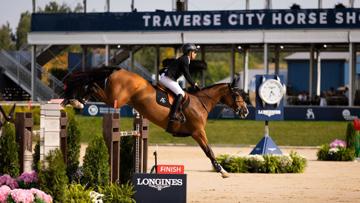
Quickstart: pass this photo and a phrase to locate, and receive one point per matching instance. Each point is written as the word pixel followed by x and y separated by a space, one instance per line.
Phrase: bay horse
pixel 124 87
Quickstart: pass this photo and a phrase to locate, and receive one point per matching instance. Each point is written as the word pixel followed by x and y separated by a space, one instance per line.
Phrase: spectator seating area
pixel 14 94
pixel 331 97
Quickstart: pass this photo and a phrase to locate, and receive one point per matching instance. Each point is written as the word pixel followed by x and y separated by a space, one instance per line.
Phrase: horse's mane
pixel 85 78
pixel 213 85
pixel 240 91
pixel 94 74
pixel 205 89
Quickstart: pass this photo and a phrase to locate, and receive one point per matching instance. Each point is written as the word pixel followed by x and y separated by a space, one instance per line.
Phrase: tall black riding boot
pixel 175 107
pixel 172 114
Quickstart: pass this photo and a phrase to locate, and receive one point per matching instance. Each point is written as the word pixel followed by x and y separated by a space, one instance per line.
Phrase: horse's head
pixel 236 99
pixel 82 85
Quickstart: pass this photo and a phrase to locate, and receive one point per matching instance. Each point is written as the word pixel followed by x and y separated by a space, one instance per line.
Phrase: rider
pixel 170 74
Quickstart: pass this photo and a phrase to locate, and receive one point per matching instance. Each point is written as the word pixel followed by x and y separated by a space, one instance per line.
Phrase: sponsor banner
pixel 170 169
pixel 267 112
pixel 322 113
pixel 300 113
pixel 197 20
pixel 160 188
pixel 99 108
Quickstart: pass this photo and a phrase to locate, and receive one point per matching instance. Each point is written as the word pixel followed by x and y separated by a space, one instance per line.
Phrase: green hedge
pixel 326 153
pixel 292 163
pixel 96 164
pixel 350 136
pixel 78 193
pixel 117 193
pixel 73 145
pixel 52 177
pixel 127 159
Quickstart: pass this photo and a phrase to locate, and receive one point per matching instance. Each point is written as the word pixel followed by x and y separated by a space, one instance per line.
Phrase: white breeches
pixel 172 85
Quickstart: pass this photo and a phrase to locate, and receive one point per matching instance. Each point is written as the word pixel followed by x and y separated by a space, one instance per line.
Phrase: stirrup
pixel 179 117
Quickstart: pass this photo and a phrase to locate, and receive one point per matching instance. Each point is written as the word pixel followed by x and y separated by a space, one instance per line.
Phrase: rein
pixel 209 97
pixel 202 102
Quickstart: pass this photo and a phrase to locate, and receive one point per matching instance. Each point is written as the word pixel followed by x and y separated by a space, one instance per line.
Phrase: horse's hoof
pixel 224 173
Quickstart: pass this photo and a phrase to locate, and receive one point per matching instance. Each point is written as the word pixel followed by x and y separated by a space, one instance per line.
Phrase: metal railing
pixel 24 58
pixel 22 76
pixel 137 68
pixel 126 63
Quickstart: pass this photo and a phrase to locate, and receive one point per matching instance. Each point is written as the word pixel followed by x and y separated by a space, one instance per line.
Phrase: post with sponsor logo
pixel 269 106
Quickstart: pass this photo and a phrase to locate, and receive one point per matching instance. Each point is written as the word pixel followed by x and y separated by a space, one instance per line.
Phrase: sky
pixel 10 10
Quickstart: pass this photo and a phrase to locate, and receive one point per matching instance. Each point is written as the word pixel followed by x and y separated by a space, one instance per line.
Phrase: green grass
pixel 235 132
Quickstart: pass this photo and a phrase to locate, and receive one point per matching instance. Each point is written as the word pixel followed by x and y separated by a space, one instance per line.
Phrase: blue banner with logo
pixel 317 113
pixel 300 113
pixel 99 108
pixel 197 20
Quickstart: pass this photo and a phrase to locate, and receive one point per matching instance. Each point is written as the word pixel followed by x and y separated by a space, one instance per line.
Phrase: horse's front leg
pixel 201 139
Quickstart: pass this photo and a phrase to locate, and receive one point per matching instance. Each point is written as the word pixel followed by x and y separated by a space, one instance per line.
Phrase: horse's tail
pixel 81 85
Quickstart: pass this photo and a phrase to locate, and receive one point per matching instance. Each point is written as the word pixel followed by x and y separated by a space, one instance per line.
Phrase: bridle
pixel 236 98
pixel 234 94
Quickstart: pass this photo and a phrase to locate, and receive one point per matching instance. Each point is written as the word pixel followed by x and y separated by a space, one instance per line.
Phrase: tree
pixel 22 29
pixel 6 37
pixel 36 158
pixel 96 164
pixel 73 143
pixel 54 7
pixel 52 178
pixel 9 160
pixel 146 57
pixel 78 8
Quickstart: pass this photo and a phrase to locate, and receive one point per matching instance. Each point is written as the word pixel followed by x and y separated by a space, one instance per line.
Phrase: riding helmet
pixel 189 47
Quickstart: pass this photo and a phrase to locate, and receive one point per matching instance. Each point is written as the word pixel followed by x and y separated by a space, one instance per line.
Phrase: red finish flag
pixel 170 169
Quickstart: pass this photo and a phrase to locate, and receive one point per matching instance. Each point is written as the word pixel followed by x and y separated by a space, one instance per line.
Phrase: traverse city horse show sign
pixel 198 20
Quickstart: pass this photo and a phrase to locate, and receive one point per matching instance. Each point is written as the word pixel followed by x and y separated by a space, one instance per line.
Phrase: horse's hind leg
pixel 203 142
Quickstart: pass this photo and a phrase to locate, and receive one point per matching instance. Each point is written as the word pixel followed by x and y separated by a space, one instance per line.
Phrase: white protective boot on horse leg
pixel 224 173
pixel 220 169
pixel 210 154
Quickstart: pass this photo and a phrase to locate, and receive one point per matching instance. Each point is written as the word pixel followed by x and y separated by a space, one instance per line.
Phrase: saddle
pixel 165 97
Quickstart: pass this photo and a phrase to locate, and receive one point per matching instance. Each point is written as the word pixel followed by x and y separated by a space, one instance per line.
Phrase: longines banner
pixel 160 188
pixel 198 20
